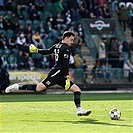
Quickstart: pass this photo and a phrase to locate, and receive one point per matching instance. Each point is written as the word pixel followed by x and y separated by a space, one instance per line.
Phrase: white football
pixel 114 114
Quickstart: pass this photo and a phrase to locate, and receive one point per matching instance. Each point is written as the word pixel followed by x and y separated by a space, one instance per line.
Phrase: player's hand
pixel 67 82
pixel 33 49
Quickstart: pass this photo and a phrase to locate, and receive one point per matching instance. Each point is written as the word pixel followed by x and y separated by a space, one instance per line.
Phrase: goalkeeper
pixel 59 74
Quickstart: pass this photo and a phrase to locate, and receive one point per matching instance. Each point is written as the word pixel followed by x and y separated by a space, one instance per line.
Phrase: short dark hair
pixel 68 34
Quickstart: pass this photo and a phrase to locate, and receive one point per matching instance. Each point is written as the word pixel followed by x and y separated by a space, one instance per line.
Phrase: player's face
pixel 69 40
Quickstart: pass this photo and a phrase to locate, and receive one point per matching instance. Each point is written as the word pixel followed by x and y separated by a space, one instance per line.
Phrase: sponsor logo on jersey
pixel 65 55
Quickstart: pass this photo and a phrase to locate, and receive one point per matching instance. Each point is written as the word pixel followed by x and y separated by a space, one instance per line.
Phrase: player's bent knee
pixel 40 87
pixel 75 88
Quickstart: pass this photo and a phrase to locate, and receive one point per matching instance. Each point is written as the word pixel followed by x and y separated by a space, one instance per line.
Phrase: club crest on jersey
pixel 65 55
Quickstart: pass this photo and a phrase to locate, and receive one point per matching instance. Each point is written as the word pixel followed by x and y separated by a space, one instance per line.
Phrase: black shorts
pixel 55 77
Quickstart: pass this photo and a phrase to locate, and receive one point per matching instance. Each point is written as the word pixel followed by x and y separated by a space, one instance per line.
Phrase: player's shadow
pixel 83 121
pixel 93 121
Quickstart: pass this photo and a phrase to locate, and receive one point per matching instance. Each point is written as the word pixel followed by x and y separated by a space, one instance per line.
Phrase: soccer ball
pixel 115 114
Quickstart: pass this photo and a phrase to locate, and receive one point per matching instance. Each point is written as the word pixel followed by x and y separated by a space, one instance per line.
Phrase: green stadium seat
pixel 2 13
pixel 28 22
pixel 3 31
pixel 7 52
pixel 10 33
pixel 49 43
pixel 9 14
pixel 14 50
pixel 40 15
pixel 78 74
pixel 36 24
pixel 22 22
pixel 1 51
pixel 25 14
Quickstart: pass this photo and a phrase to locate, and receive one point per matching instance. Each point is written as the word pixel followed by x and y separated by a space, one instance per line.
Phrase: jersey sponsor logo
pixel 66 56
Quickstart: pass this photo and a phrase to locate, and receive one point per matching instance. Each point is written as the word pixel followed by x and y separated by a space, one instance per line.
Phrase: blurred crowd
pixel 42 22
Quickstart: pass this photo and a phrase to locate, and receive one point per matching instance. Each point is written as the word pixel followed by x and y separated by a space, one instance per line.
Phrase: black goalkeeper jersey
pixel 62 55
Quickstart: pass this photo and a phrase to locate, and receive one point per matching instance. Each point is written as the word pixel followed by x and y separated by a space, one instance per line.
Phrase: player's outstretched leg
pixel 12 88
pixel 15 87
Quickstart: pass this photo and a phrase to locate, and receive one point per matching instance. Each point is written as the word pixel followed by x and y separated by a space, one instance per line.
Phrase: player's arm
pixel 34 49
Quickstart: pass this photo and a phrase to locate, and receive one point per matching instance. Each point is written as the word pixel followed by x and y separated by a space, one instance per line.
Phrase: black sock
pixel 77 99
pixel 28 87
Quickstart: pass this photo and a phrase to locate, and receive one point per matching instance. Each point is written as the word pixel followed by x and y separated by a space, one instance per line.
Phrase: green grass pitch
pixel 39 113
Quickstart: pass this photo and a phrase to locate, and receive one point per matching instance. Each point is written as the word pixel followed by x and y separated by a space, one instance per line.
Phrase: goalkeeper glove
pixel 33 48
pixel 67 82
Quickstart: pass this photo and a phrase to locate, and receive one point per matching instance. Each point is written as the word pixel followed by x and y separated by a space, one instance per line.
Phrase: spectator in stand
pixel 49 27
pixel 91 15
pixel 83 8
pixel 14 21
pixel 4 61
pixel 107 74
pixel 28 30
pixel 101 2
pixel 131 51
pixel 31 63
pixel 12 42
pixel 95 72
pixel 128 70
pixel 18 12
pixel 1 23
pixel 71 61
pixel 25 49
pixel 51 19
pixel 114 6
pixel 8 5
pixel 21 40
pixel 126 50
pixel 74 6
pixel 60 22
pixel 71 27
pixel 114 53
pixel 2 5
pixel 102 51
pixel 21 61
pixel 68 17
pixel 12 59
pixel 59 6
pixel 33 13
pixel 44 63
pixel 39 5
pixel 29 38
pixel 3 41
pixel 106 10
pixel 20 29
pixel 99 13
pixel 77 61
pixel 121 59
pixel 123 16
pixel 41 29
pixel 37 40
pixel 7 22
pixel 130 16
pixel 80 31
pixel 77 41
